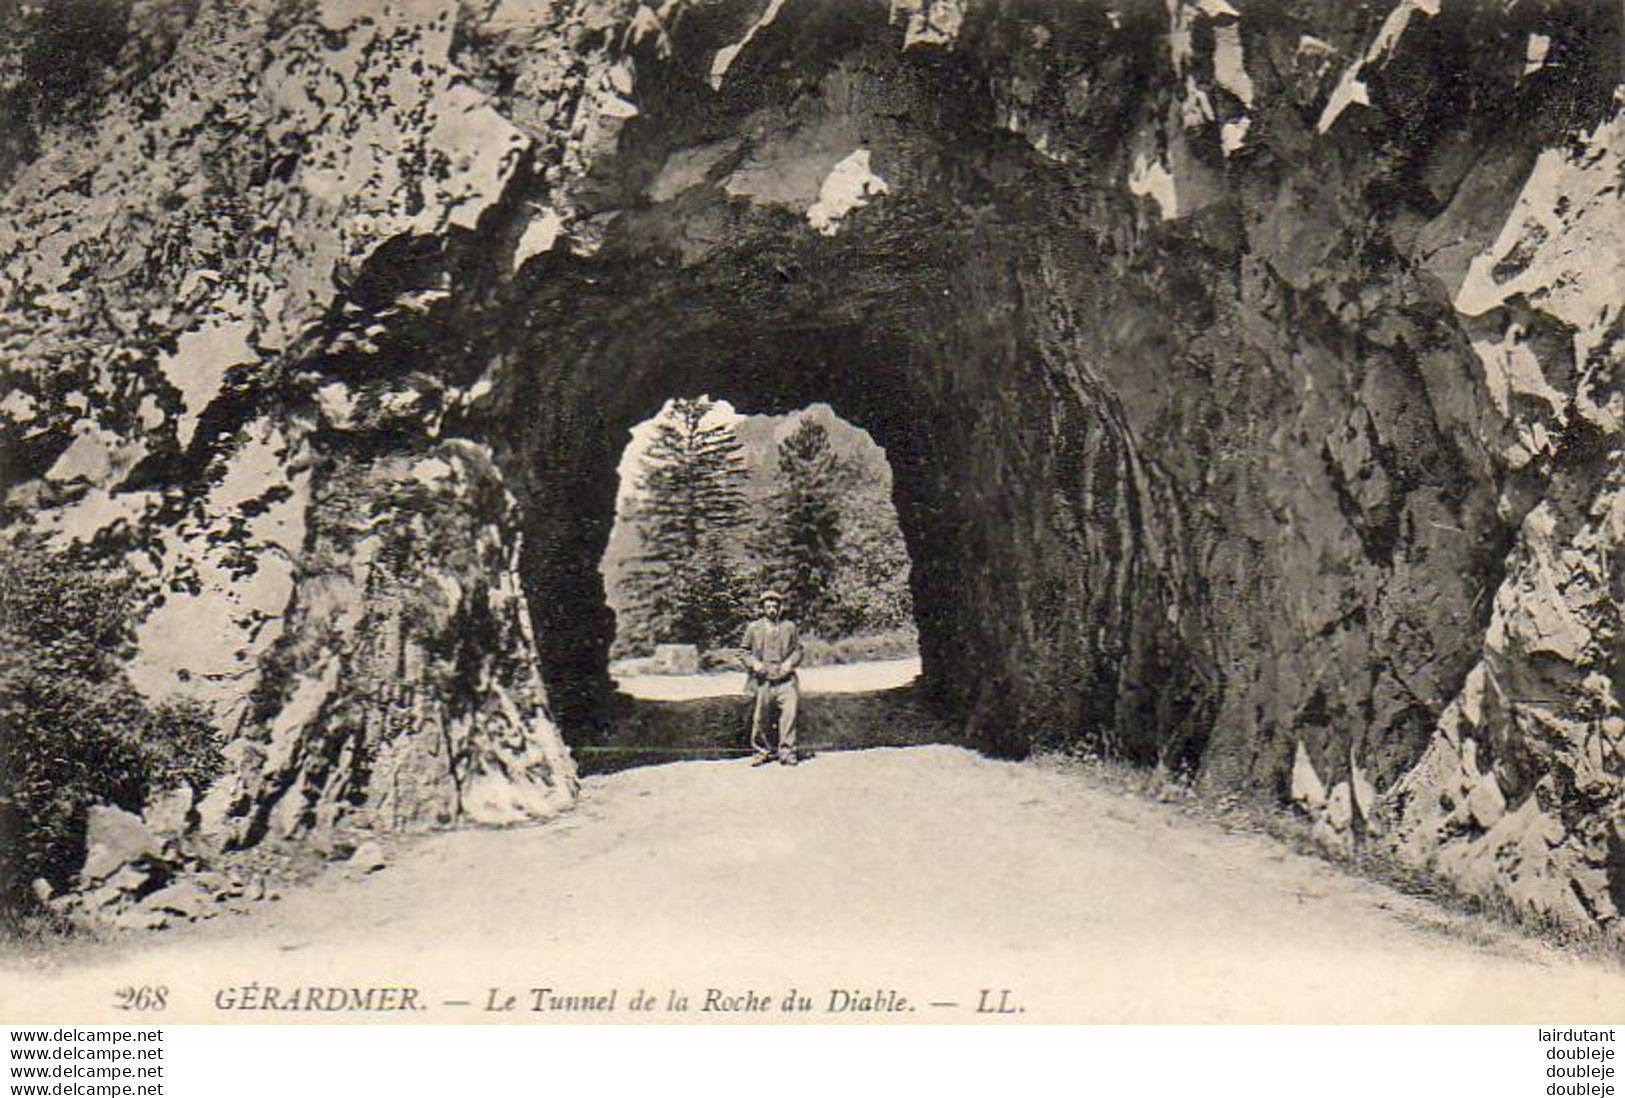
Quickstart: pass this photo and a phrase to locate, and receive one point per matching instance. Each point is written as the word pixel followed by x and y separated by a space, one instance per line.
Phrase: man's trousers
pixel 786 697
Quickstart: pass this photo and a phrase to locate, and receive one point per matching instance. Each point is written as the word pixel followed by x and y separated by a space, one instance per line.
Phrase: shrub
pixel 73 731
pixel 894 644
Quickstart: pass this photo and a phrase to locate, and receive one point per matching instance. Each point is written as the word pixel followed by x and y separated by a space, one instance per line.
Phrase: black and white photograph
pixel 974 512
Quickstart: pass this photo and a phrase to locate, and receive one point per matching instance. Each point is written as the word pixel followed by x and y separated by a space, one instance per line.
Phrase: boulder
pixel 330 844
pixel 127 883
pixel 183 898
pixel 140 918
pixel 113 839
pixel 369 857
pixel 169 814
pixel 1307 788
pixel 676 659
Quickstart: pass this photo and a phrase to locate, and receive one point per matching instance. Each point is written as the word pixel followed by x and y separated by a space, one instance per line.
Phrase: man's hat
pixel 774 595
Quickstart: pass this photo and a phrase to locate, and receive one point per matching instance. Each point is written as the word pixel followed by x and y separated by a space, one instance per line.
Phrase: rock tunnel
pixel 1252 400
pixel 876 243
pixel 985 507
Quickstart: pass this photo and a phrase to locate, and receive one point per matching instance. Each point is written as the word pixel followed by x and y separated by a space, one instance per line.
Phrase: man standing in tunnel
pixel 772 654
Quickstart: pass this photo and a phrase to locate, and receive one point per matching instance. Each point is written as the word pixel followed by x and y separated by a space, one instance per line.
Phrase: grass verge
pixel 1368 860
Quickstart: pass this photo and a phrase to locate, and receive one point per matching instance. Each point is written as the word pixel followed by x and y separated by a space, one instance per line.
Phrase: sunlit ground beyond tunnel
pixel 716 506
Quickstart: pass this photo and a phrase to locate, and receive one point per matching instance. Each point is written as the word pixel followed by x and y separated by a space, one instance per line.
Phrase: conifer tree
pixel 684 584
pixel 801 549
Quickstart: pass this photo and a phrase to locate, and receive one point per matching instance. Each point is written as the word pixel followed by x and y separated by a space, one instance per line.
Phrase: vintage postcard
pixel 711 511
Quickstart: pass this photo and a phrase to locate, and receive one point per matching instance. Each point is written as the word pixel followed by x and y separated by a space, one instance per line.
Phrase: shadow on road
pixel 645 732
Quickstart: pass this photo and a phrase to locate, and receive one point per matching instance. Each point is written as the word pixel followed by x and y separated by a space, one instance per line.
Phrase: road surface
pixel 925 876
pixel 836 678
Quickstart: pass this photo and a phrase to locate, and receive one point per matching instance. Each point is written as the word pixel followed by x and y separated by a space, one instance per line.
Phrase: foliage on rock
pixel 73 731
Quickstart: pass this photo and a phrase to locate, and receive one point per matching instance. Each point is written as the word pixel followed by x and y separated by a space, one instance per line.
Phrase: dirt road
pixel 925 874
pixel 839 678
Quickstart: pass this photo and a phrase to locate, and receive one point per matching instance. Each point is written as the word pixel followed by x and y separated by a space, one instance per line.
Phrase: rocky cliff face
pixel 1250 376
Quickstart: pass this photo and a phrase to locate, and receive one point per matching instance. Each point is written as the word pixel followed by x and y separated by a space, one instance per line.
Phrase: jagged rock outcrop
pixel 327 568
pixel 1250 375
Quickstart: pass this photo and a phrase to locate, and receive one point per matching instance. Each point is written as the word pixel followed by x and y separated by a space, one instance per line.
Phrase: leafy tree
pixel 73 731
pixel 870 590
pixel 685 584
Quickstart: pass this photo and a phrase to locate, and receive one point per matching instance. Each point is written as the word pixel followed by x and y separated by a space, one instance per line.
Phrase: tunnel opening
pixel 1013 491
pixel 871 243
pixel 716 506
